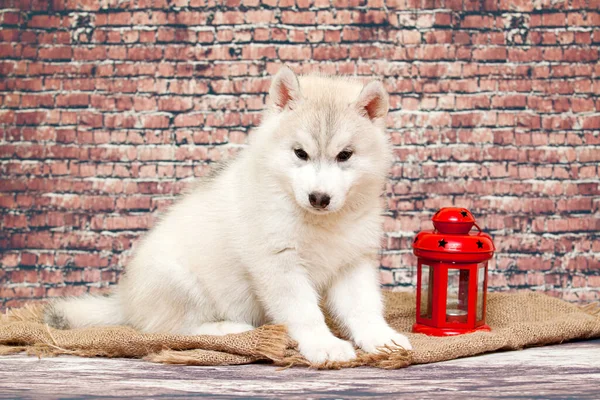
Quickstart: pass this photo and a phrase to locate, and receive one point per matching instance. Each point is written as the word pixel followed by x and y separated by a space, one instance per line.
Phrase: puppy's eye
pixel 344 156
pixel 301 154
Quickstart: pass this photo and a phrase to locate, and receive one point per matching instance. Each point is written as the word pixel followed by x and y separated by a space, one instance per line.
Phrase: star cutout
pixel 479 244
pixel 442 243
pixel 464 214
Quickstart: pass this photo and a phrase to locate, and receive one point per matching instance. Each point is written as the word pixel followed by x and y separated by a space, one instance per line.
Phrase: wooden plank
pixel 569 370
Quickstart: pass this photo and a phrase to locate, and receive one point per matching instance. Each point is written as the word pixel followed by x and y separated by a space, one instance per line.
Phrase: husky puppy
pixel 295 218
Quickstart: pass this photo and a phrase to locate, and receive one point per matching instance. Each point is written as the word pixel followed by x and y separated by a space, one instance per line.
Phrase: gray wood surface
pixel 555 372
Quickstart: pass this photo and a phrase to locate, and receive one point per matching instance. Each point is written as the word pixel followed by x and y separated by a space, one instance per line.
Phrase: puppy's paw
pixel 319 349
pixel 380 336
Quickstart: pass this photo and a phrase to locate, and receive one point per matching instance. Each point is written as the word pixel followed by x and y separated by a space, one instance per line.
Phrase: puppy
pixel 295 218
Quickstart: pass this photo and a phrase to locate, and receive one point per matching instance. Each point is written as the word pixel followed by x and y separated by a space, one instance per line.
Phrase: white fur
pixel 246 248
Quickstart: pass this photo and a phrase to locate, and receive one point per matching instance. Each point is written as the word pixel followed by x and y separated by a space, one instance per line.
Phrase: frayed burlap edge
pixel 592 308
pixel 388 357
pixel 199 357
pixel 271 344
pixel 27 313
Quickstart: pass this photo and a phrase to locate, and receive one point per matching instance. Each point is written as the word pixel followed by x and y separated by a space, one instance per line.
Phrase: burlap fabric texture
pixel 517 321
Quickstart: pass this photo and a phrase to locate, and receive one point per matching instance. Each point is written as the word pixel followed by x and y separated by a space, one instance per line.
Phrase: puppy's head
pixel 326 140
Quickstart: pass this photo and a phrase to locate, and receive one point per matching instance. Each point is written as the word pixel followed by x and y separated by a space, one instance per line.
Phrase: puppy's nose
pixel 319 200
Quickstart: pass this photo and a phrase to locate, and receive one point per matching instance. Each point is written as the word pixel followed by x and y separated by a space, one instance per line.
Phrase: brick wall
pixel 110 108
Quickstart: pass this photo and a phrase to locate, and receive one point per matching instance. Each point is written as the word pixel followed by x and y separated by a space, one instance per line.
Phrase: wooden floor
pixel 556 372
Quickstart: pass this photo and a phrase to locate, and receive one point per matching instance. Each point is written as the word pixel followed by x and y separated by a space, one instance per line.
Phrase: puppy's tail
pixel 80 312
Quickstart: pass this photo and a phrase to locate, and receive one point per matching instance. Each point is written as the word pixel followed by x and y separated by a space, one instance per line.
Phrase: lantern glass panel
pixel 457 300
pixel 426 291
pixel 480 289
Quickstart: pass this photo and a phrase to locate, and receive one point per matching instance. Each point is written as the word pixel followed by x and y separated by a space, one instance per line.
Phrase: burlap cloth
pixel 517 321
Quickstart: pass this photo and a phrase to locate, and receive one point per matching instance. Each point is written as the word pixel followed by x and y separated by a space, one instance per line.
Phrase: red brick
pixel 56 53
pixel 195 119
pixel 119 18
pixel 581 55
pixel 174 103
pixel 145 53
pixel 73 100
pixel 294 53
pixel 330 53
pixel 498 53
pixel 298 18
pixel 30 117
pixel 44 21
pixel 477 22
pixel 259 16
pixel 590 122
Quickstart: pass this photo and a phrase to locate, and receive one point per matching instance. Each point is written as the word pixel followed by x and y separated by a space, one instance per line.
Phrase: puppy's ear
pixel 285 89
pixel 373 101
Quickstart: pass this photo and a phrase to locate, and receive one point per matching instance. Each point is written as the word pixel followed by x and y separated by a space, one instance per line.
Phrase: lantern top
pixel 453 220
pixel 452 239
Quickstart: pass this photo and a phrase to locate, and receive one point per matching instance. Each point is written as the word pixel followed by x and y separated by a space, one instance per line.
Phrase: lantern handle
pixel 477 226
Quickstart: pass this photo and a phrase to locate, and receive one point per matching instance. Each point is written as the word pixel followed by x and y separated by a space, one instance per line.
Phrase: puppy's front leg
pixel 290 299
pixel 355 300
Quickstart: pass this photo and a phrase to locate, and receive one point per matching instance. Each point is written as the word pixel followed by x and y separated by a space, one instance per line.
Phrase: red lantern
pixel 452 275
